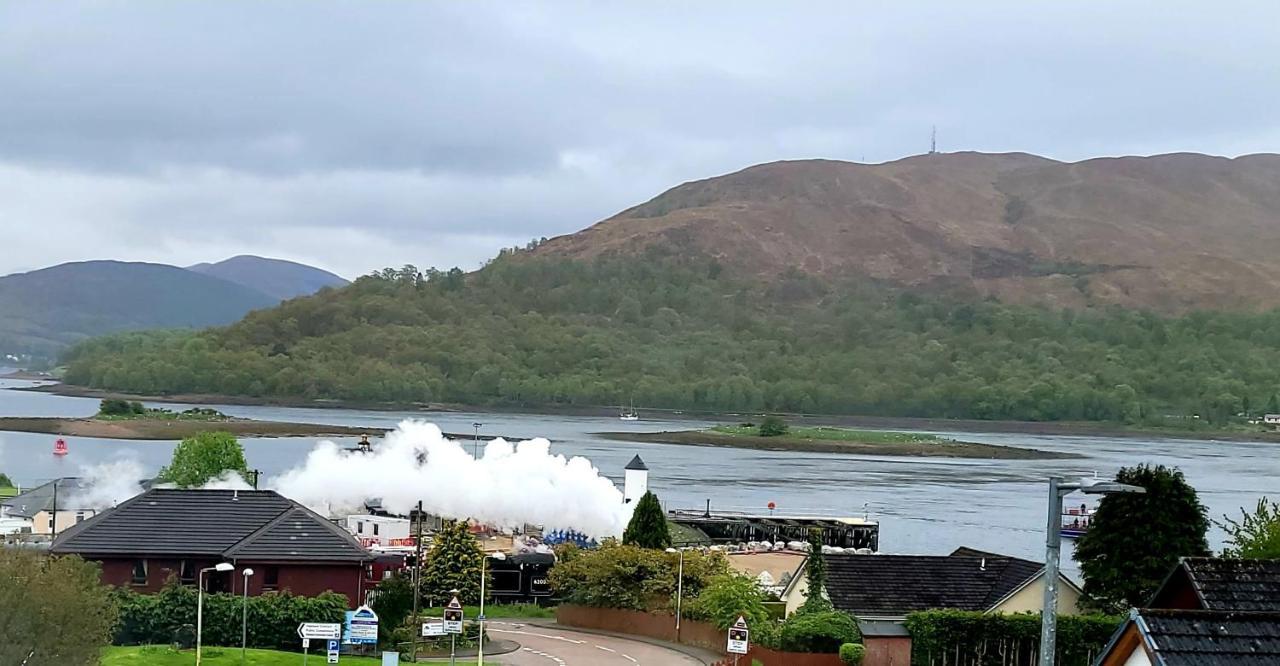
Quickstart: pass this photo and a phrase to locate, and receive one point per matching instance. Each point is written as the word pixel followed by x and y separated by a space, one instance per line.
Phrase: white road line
pixel 552 657
pixel 629 658
pixel 606 649
pixel 530 633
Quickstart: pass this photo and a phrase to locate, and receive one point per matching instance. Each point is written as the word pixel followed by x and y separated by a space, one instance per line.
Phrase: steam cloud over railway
pixel 508 486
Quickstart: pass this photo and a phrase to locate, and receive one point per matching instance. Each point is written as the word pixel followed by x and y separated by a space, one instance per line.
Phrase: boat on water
pixel 630 414
pixel 1075 522
pixel 60 447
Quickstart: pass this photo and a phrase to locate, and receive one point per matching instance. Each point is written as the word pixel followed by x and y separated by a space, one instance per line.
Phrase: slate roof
pixel 40 498
pixel 1234 585
pixel 252 524
pixel 636 464
pixel 894 585
pixel 1211 638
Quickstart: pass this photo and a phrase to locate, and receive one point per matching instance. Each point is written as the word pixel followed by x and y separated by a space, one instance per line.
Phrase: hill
pixel 275 277
pixel 47 309
pixel 1170 232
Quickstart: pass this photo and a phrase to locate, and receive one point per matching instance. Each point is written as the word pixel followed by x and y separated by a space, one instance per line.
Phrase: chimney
pixel 982 566
pixel 235 495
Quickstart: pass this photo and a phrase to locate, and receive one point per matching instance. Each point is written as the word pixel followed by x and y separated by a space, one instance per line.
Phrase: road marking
pixel 531 633
pixel 540 653
pixel 606 649
pixel 629 658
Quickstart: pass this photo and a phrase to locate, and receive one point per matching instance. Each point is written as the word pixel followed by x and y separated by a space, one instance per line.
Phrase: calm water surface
pixel 923 505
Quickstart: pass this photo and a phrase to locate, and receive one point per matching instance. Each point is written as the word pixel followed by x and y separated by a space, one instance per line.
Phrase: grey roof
pixel 1210 638
pixel 40 498
pixel 1234 585
pixel 246 524
pixel 636 463
pixel 894 585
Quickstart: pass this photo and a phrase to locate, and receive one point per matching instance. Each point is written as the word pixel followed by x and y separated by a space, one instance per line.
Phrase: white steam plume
pixel 107 484
pixel 228 480
pixel 508 486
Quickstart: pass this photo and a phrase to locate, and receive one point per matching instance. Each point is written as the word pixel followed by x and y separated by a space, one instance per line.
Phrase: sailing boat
pixel 630 414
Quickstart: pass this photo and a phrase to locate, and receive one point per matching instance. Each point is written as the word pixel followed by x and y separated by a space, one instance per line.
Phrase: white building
pixel 378 530
pixel 636 482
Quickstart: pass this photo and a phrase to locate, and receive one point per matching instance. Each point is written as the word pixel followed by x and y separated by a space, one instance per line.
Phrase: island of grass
pixel 775 436
pixel 119 419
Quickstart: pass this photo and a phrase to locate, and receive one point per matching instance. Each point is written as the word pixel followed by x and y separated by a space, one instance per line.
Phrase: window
pixel 187 572
pixel 271 578
pixel 79 516
pixel 52 518
pixel 359 527
pixel 139 572
pixel 375 529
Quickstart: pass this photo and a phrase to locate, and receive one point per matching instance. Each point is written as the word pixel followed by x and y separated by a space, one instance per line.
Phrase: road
pixel 554 646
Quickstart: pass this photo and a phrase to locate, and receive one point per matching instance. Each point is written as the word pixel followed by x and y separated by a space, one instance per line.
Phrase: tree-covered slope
pixel 42 311
pixel 682 333
pixel 274 277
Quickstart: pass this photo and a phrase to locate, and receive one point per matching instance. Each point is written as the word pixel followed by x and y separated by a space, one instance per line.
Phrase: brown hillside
pixel 1171 232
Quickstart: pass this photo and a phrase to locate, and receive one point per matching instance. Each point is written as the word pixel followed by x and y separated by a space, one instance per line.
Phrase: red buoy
pixel 60 447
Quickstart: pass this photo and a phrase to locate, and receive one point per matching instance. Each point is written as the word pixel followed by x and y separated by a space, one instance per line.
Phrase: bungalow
pixel 1208 612
pixel 40 505
pixel 166 534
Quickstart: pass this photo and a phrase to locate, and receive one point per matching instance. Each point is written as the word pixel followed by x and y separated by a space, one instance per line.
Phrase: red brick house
pixel 169 533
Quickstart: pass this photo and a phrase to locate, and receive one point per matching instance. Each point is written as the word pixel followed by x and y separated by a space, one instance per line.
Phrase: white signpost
pixel 433 628
pixel 453 626
pixel 320 631
pixel 738 638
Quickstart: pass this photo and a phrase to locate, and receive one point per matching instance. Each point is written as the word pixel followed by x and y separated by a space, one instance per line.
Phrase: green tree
pixel 1273 404
pixel 393 603
pixel 773 426
pixel 37 593
pixel 453 563
pixel 620 576
pixel 203 457
pixel 815 572
pixel 5 481
pixel 648 526
pixel 728 597
pixel 113 407
pixel 1135 539
pixel 1256 535
pixel 851 654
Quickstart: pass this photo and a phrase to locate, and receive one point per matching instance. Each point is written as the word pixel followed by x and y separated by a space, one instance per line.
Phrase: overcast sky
pixel 357 135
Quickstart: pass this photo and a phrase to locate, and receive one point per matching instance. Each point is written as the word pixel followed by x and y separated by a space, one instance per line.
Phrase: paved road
pixel 553 646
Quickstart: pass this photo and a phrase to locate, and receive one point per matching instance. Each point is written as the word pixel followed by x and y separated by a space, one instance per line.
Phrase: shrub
pixel 773 426
pixel 621 576
pixel 1005 638
pixel 113 407
pixel 852 653
pixel 728 596
pixel 53 610
pixel 819 631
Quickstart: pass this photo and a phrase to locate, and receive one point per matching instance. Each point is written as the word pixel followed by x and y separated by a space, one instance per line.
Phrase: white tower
pixel 636 482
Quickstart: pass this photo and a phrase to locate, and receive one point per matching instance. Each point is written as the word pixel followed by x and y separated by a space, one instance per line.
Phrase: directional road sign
pixel 320 630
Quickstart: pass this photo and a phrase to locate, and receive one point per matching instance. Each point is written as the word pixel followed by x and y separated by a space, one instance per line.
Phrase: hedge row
pixel 170 617
pixel 961 638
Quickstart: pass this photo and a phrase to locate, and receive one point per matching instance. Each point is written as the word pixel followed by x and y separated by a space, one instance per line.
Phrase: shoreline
pixel 1046 428
pixel 159 429
pixel 939 449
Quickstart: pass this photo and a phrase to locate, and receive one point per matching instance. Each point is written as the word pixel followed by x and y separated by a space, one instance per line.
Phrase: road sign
pixel 333 651
pixel 738 635
pixel 320 630
pixel 453 617
pixel 433 628
pixel 362 626
pixel 306 643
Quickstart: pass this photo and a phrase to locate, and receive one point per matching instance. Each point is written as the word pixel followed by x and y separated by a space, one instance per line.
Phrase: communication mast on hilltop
pixel 933 141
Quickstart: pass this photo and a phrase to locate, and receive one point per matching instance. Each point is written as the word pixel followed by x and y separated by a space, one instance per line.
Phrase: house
pixel 372 530
pixel 772 570
pixel 169 533
pixel 1220 584
pixel 1164 637
pixel 888 587
pixel 1272 420
pixel 39 505
pixel 1208 611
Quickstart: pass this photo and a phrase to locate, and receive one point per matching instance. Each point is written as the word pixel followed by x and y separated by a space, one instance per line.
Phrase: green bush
pixel 852 653
pixel 1005 639
pixel 727 597
pixel 819 631
pixel 273 617
pixel 772 426
pixel 620 576
pixel 112 407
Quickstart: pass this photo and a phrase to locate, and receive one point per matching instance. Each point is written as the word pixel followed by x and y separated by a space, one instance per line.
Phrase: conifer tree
pixel 648 526
pixel 815 571
pixel 453 563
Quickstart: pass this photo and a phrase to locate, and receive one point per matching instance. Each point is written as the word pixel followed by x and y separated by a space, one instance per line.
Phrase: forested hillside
pixel 680 332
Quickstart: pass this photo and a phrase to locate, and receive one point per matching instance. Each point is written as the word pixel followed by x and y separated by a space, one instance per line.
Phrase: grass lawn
pixel 162 655
pixel 829 433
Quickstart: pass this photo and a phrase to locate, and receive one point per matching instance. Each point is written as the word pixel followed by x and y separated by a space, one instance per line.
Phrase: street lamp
pixel 480 643
pixel 244 615
pixel 1053 547
pixel 679 589
pixel 475 443
pixel 221 567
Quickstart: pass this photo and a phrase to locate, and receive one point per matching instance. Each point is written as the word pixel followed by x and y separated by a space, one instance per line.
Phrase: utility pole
pixel 417 581
pixel 933 141
pixel 475 444
pixel 53 522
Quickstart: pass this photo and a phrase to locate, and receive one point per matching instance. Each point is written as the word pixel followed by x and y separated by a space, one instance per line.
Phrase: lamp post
pixel 679 588
pixel 244 615
pixel 480 642
pixel 220 567
pixel 1053 547
pixel 475 443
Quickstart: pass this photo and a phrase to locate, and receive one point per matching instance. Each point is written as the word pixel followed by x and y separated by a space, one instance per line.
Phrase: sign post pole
pixel 453 649
pixel 738 639
pixel 453 625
